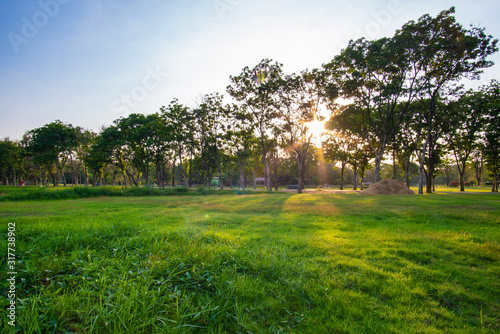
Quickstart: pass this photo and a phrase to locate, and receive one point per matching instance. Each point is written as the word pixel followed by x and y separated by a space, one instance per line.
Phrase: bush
pixel 455 184
pixel 85 192
pixel 205 191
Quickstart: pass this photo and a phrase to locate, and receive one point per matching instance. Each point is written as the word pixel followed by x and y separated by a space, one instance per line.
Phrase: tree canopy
pixel 401 95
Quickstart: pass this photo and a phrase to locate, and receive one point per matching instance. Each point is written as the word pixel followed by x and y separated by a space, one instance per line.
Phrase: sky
pixel 89 62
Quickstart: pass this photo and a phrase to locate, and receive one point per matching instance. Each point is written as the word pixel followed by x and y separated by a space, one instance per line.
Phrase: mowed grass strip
pixel 260 263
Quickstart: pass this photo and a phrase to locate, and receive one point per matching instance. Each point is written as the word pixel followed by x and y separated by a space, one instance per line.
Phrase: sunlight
pixel 316 128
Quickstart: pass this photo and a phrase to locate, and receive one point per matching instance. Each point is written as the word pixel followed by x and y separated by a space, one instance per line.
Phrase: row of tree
pixel 402 96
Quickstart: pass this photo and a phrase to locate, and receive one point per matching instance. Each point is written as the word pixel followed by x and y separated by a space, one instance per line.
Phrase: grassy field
pixel 255 263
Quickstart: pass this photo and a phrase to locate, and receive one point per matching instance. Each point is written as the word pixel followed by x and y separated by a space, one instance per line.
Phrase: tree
pixel 462 140
pixel 255 88
pixel 298 101
pixel 85 140
pixel 378 78
pixel 491 141
pixel 338 147
pixel 158 143
pixel 444 52
pixel 215 123
pixel 243 139
pixel 104 150
pixel 50 143
pixel 180 122
pixel 10 160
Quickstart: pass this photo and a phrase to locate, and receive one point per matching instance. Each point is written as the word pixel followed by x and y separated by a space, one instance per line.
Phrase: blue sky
pixel 90 62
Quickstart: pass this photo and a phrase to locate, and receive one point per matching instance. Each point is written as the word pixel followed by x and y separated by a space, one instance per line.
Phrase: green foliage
pixel 398 89
pixel 205 190
pixel 51 140
pixel 36 194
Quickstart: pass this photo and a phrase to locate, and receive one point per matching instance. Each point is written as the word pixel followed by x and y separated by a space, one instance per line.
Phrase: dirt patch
pixel 319 191
pixel 388 187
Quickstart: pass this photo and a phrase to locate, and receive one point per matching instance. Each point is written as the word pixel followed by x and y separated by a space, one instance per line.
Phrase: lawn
pixel 255 263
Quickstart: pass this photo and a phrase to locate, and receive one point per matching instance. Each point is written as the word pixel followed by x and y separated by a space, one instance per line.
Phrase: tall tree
pixel 181 124
pixel 338 147
pixel 105 149
pixel 10 161
pixel 491 141
pixel 444 52
pixel 243 139
pixel 85 140
pixel 215 124
pixel 158 144
pixel 298 102
pixel 50 143
pixel 256 88
pixel 377 77
pixel 462 140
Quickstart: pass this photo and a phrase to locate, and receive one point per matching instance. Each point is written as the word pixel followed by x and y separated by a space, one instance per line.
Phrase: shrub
pixel 457 184
pixel 85 192
pixel 205 191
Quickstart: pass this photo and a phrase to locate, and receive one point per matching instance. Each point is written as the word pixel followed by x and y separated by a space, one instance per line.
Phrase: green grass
pixel 475 189
pixel 260 263
pixel 13 194
pixel 56 193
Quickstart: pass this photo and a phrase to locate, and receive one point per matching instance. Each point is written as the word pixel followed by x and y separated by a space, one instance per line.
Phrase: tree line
pixel 402 96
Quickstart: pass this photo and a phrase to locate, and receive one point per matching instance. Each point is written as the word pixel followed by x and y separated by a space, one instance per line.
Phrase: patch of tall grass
pixel 85 192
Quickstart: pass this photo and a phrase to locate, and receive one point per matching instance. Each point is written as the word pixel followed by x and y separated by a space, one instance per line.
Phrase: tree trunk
pixel 173 174
pixel 163 175
pixel 407 178
pixel 61 171
pixel 45 176
pixel 300 185
pixel 254 171
pixel 183 170
pixel 54 181
pixel 124 177
pixel 342 167
pixel 421 169
pixel 479 171
pixel 268 172
pixel 241 166
pixel 494 188
pixel 461 172
pixel 146 175
pixel 158 175
pixel 378 160
pixel 355 170
pixel 94 178
pixel 275 172
pixel 190 168
pixel 73 172
pixel 361 176
pixel 86 176
pixel 221 184
pixel 394 163
pixel 131 176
